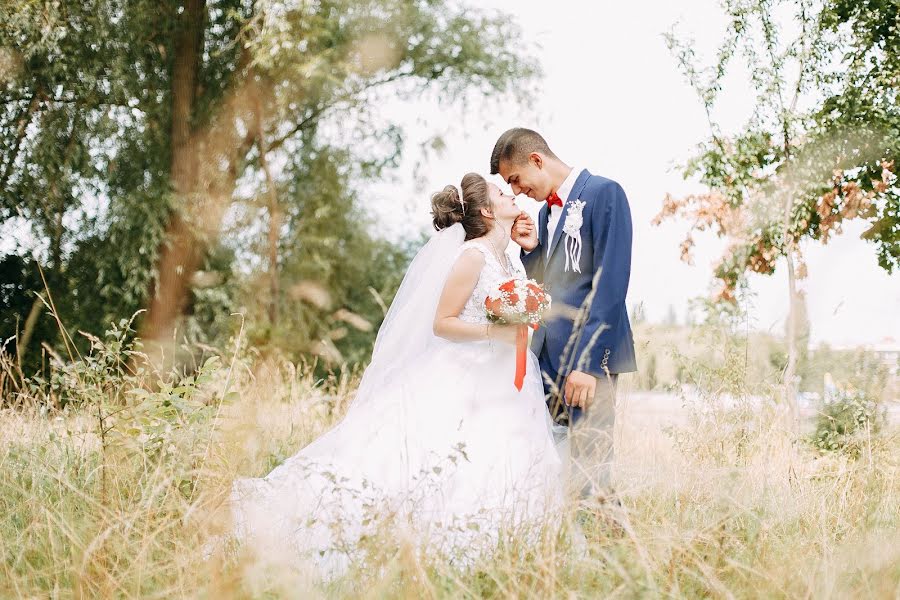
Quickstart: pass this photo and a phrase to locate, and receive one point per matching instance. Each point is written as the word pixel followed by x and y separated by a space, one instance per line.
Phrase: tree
pixel 862 105
pixel 78 161
pixel 129 128
pixel 820 147
pixel 86 153
pixel 283 89
pixel 336 275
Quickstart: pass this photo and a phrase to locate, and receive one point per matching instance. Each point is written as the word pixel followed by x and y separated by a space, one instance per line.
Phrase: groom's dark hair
pixel 515 145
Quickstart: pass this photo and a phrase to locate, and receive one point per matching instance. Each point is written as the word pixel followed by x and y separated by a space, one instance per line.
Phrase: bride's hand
pixel 503 333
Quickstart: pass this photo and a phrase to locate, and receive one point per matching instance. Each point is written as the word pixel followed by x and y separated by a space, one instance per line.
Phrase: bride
pixel 438 446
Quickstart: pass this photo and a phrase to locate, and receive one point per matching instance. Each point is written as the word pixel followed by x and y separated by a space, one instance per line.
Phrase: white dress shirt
pixel 556 211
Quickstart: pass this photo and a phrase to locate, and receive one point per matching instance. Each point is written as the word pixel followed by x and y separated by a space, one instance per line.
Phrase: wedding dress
pixel 437 447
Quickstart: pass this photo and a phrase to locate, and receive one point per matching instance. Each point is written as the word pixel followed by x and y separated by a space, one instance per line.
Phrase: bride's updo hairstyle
pixel 448 207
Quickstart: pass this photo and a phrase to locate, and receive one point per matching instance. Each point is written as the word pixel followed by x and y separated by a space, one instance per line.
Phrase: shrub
pixel 846 421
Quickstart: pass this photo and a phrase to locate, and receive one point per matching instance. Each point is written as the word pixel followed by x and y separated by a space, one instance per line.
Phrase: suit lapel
pixel 543 219
pixel 573 195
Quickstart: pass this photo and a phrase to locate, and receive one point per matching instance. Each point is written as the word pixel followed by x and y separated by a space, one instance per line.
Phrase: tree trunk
pixel 790 370
pixel 274 211
pixel 180 255
pixel 274 230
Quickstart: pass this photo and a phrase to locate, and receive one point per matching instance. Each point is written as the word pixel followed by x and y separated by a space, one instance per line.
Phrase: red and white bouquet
pixel 521 302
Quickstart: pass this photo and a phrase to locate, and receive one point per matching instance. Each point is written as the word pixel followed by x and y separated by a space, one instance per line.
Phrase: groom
pixel 580 251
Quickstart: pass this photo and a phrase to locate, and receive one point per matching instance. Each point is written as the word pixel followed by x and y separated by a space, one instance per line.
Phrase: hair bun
pixel 446 207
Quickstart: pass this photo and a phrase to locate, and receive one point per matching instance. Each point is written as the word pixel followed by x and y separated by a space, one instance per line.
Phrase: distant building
pixel 889 351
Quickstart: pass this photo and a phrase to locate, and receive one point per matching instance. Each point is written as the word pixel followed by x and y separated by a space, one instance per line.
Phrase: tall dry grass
pixel 115 496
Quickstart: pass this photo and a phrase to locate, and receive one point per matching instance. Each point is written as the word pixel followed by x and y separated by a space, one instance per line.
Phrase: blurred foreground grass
pixel 114 496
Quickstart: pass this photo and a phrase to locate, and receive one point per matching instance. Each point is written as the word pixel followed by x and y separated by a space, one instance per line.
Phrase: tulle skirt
pixel 447 455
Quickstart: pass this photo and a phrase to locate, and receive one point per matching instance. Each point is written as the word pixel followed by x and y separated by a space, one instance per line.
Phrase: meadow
pixel 251 178
pixel 110 487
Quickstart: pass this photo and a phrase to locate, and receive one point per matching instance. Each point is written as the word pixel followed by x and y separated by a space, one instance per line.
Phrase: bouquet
pixel 521 302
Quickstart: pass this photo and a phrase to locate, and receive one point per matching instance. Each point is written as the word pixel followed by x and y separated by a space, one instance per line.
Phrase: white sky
pixel 613 100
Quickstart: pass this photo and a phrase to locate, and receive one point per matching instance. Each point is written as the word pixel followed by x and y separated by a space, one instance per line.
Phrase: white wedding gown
pixel 438 447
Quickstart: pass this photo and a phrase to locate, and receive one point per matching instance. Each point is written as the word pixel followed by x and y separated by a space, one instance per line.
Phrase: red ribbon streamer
pixel 521 354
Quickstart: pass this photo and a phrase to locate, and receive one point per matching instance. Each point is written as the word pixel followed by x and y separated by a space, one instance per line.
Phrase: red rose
pixel 513 298
pixel 508 286
pixel 532 304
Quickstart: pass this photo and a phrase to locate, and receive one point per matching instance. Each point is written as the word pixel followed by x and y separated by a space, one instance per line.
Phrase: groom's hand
pixel 580 388
pixel 524 233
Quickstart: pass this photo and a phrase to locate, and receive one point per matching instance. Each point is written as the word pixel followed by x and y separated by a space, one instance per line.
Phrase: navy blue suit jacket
pixel 588 329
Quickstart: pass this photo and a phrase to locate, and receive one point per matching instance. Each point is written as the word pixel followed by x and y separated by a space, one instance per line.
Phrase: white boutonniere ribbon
pixel 572 229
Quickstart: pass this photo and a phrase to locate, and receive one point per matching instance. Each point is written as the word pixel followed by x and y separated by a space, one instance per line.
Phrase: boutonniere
pixel 572 229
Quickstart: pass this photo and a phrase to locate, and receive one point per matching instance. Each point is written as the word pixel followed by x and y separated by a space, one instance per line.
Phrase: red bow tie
pixel 552 200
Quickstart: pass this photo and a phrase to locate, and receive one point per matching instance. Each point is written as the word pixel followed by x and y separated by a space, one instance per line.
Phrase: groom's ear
pixel 536 159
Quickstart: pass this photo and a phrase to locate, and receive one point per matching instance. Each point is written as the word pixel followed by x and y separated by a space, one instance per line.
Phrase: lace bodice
pixel 492 275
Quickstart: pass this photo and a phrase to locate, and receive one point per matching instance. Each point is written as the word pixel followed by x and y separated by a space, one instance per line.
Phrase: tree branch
pixel 24 121
pixel 321 109
pixel 75 101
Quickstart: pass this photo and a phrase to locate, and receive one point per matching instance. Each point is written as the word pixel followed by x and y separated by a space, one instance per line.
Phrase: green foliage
pixel 858 369
pixel 732 362
pixel 86 190
pixel 847 422
pixel 330 244
pixel 100 375
pixel 863 103
pixel 83 134
pixel 697 355
pixel 725 381
pixel 136 415
pixel 822 143
pixel 376 52
pixel 164 424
